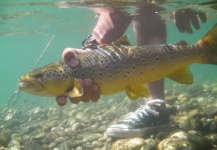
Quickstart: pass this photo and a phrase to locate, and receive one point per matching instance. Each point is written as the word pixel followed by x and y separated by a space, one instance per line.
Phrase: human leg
pixel 149 29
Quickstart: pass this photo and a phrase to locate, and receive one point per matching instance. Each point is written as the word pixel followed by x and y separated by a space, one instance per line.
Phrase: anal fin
pixel 136 91
pixel 182 75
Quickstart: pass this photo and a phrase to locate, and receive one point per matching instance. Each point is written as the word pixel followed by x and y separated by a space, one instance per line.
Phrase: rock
pixel 212 138
pixel 92 137
pixel 175 142
pixel 4 138
pixel 128 144
pixel 198 142
pixel 192 124
pixel 151 144
pixel 195 89
pixel 185 141
pixel 97 144
pixel 209 107
pixel 30 145
pixel 78 126
pixel 67 145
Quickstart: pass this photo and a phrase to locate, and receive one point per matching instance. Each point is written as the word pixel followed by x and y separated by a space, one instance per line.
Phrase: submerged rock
pixel 31 145
pixel 185 141
pixel 174 142
pixel 4 139
pixel 128 144
pixel 192 124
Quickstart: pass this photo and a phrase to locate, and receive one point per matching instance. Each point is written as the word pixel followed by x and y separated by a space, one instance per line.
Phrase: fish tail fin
pixel 209 42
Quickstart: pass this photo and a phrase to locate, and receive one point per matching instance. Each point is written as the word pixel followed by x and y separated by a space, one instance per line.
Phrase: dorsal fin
pixel 122 41
pixel 181 43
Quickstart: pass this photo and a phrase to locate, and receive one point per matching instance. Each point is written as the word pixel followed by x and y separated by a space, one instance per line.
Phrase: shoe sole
pixel 132 133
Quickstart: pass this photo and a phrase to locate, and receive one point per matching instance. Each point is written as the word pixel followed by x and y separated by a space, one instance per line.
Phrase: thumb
pixel 70 56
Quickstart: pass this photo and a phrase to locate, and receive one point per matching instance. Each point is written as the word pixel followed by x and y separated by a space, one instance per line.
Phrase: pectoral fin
pixel 77 89
pixel 134 92
pixel 182 75
pixel 131 95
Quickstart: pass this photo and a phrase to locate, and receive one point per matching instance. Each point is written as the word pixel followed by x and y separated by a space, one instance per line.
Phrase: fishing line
pixel 16 95
pixel 42 54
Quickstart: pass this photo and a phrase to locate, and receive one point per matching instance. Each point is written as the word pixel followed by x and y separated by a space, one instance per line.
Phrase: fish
pixel 120 66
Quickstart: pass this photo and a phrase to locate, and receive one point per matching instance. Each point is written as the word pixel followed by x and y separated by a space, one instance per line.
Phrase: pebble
pixel 82 127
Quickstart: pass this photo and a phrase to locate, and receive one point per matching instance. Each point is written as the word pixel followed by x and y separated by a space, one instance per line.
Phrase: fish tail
pixel 209 42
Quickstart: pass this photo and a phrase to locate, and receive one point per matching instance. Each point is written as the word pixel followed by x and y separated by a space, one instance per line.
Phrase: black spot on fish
pixel 38 75
pixel 156 58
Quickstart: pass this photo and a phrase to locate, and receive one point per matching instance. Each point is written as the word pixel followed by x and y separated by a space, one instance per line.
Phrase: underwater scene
pixel 171 39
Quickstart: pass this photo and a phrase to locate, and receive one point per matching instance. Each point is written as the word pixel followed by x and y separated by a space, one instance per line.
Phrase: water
pixel 27 26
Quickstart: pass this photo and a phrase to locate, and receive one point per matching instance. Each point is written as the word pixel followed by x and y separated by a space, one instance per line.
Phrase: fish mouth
pixel 26 83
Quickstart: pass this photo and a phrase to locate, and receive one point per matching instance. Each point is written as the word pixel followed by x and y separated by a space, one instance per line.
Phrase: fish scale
pixel 120 67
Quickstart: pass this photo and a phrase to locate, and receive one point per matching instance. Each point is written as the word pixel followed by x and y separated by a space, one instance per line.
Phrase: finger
pixel 61 101
pixel 194 20
pixel 88 89
pixel 70 57
pixel 186 22
pixel 75 100
pixel 178 21
pixel 96 93
pixel 202 16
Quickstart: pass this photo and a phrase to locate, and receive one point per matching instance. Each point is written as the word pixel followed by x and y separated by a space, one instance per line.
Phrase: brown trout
pixel 120 66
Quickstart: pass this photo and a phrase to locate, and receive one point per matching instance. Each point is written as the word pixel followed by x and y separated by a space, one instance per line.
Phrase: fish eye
pixel 38 76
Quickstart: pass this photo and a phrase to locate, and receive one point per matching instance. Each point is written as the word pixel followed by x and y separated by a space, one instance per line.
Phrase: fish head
pixel 51 80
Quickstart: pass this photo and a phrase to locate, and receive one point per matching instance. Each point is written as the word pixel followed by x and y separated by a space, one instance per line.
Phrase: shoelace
pixel 89 42
pixel 149 107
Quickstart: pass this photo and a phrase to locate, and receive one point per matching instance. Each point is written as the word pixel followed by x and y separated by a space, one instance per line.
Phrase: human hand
pixel 184 18
pixel 90 90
